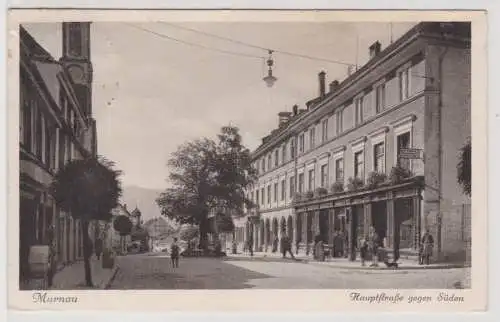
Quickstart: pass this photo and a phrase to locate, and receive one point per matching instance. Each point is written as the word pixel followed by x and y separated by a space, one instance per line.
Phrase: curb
pixel 360 268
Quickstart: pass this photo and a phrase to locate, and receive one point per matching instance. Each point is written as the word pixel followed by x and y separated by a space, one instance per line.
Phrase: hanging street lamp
pixel 270 79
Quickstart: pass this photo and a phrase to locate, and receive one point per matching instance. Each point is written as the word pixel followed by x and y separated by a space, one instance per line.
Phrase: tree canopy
pixel 123 225
pixel 87 188
pixel 464 168
pixel 224 222
pixel 205 174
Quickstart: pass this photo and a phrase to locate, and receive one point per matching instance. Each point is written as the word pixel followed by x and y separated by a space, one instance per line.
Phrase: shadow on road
pixel 193 273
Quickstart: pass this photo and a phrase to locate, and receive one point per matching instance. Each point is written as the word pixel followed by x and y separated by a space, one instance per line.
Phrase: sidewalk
pixel 72 276
pixel 342 263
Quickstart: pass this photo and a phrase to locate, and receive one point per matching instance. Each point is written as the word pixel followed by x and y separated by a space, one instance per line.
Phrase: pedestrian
pixel 373 243
pixel 427 247
pixel 319 251
pixel 363 249
pixel 234 247
pixel 174 253
pixel 250 245
pixel 98 248
pixel 275 243
pixel 287 247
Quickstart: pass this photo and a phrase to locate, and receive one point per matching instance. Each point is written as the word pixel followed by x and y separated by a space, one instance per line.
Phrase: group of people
pixel 371 247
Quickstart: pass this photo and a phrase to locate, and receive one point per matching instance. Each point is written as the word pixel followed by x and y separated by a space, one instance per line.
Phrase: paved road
pixel 155 272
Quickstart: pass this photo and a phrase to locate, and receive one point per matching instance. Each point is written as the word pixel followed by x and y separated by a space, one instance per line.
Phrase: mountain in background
pixel 142 198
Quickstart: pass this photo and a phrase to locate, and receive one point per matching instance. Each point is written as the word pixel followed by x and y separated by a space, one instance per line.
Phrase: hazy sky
pixel 150 94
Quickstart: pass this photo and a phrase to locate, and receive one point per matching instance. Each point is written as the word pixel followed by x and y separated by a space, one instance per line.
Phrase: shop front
pixel 394 212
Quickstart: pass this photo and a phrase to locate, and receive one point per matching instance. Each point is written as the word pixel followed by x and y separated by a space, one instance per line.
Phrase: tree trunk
pixel 204 233
pixel 87 253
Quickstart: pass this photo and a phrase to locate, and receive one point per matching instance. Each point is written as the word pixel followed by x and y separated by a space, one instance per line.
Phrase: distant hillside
pixel 144 199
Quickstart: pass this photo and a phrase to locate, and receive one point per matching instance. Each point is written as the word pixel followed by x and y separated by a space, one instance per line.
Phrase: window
pixel 324 175
pixel 269 194
pixel 256 167
pixel 276 158
pixel 301 182
pixel 380 98
pixel 283 153
pixel 263 165
pixel 283 189
pixel 27 119
pixel 263 196
pixel 404 84
pixel 38 133
pixel 269 162
pixel 324 132
pixel 403 141
pixel 257 196
pixel 312 137
pixel 292 148
pixel 301 143
pixel 310 185
pixel 339 123
pixel 339 170
pixel 275 192
pixel 359 110
pixel 292 186
pixel 62 149
pixel 379 157
pixel 359 165
pixel 48 144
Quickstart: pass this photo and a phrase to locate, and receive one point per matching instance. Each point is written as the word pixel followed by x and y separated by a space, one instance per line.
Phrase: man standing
pixel 427 247
pixel 174 253
pixel 287 246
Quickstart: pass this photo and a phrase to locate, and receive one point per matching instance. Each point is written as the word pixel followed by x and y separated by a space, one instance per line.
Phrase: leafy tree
pixel 205 174
pixel 88 189
pixel 188 232
pixel 123 225
pixel 224 223
pixel 464 168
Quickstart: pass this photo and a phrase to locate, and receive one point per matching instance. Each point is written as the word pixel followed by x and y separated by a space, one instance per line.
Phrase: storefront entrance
pixel 379 219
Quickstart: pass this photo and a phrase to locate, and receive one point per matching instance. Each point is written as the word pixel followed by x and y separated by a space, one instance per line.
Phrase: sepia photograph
pixel 231 155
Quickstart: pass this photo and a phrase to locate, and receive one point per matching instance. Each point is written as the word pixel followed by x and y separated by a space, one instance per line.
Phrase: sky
pixel 151 93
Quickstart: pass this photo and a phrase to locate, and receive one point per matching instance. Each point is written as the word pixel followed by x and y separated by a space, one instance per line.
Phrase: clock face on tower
pixel 77 73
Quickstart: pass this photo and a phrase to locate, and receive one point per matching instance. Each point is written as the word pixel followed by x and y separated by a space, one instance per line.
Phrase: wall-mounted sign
pixel 411 153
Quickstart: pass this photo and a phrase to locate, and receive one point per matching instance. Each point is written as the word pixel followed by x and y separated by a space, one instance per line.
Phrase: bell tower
pixel 76 59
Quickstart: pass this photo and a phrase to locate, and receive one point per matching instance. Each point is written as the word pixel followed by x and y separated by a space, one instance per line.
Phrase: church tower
pixel 76 59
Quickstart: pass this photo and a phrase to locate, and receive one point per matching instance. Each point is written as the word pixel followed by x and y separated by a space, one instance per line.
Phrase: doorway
pixel 324 225
pixel 379 219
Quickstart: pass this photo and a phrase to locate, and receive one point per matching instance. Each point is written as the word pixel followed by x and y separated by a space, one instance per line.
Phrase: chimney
pixel 334 85
pixel 374 49
pixel 295 110
pixel 283 117
pixel 321 78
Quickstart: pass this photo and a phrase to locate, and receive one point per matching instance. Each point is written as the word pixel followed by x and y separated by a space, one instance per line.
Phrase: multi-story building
pixel 379 149
pixel 55 126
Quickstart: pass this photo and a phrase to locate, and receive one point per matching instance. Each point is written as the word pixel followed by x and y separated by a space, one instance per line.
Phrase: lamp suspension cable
pixel 257 47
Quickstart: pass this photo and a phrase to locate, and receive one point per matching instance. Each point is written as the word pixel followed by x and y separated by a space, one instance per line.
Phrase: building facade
pixel 378 149
pixel 55 126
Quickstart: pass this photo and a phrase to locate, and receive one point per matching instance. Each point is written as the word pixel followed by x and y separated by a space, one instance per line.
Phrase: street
pixel 155 272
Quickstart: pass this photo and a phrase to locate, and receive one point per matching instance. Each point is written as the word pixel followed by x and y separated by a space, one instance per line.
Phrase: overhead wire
pixel 282 52
pixel 161 35
pixel 255 46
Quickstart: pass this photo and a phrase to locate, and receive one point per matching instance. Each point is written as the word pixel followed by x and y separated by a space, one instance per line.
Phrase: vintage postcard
pixel 247 160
